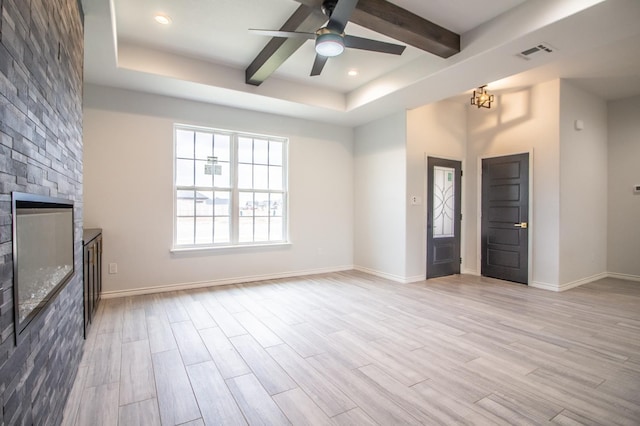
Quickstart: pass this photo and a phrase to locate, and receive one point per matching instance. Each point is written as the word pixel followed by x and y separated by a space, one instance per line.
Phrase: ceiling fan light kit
pixel 309 21
pixel 329 44
pixel 330 40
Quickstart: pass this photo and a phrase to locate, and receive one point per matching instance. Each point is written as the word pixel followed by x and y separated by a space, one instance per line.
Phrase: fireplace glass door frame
pixel 29 213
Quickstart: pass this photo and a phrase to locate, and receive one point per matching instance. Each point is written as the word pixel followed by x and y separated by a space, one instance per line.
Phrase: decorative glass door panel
pixel 443 217
pixel 444 192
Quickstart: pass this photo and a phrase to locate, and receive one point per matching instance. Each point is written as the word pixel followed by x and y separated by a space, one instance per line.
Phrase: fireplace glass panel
pixel 43 253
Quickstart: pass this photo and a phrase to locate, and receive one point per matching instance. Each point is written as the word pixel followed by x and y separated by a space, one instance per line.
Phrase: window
pixel 230 188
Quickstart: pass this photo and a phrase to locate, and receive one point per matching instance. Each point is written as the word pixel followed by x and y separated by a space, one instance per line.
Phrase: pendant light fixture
pixel 481 98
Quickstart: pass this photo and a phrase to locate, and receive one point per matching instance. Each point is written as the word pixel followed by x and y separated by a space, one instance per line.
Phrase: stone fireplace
pixel 41 59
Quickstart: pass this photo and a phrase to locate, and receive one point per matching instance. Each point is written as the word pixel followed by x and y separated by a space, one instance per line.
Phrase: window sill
pixel 247 247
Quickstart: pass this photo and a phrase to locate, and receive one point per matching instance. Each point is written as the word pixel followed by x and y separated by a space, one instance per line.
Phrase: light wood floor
pixel 352 349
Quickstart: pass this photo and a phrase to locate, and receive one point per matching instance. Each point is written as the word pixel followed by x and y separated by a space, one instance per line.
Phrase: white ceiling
pixel 217 31
pixel 203 53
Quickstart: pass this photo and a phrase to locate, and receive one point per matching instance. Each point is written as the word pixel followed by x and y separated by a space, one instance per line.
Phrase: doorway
pixel 505 218
pixel 443 217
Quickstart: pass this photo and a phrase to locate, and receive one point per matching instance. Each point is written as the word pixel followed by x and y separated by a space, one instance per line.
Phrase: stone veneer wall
pixel 41 59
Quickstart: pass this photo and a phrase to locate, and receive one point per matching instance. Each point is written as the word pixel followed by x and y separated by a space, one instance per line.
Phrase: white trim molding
pixel 627 277
pixel 569 285
pixel 224 281
pixel 404 280
pixel 392 277
pixel 576 283
pixel 544 286
pixel 582 281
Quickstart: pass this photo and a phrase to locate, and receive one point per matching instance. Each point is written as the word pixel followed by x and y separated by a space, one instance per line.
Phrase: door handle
pixel 522 225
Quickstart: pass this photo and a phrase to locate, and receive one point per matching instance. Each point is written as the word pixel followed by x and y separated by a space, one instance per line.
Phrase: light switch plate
pixel 636 189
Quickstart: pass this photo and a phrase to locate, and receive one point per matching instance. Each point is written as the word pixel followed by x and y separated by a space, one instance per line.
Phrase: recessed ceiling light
pixel 352 73
pixel 162 19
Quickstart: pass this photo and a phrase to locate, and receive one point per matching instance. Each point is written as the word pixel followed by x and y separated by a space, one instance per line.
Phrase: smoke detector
pixel 537 50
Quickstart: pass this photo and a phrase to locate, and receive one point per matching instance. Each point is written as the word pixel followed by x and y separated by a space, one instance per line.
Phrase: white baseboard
pixel 414 279
pixel 392 277
pixel 404 280
pixel 470 272
pixel 576 283
pixel 627 277
pixel 225 281
pixel 582 281
pixel 544 286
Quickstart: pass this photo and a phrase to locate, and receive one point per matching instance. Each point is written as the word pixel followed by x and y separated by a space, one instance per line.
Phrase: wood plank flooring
pixel 352 349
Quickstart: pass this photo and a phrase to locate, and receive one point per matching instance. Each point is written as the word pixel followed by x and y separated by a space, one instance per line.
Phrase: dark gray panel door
pixel 505 218
pixel 443 217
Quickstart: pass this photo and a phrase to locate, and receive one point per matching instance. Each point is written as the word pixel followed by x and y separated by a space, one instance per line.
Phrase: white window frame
pixel 233 189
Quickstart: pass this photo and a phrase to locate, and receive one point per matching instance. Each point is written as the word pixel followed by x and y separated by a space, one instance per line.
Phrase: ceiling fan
pixel 331 39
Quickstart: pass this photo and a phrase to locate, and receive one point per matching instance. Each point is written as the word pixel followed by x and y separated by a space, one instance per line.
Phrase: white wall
pixel 368 175
pixel 624 172
pixel 522 120
pixel 583 186
pixel 128 172
pixel 434 130
pixel 569 182
pixel 380 197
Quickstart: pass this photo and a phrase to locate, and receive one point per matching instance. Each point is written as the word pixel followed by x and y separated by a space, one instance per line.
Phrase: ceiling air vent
pixel 537 50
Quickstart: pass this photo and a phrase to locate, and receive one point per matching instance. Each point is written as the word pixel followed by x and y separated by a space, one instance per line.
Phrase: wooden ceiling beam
pixel 377 15
pixel 278 49
pixel 401 25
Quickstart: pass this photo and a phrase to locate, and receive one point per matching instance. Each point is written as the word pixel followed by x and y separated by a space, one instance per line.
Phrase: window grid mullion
pixel 269 187
pixel 195 217
pixel 213 184
pixel 235 196
pixel 269 215
pixel 234 190
pixel 253 217
pixel 253 190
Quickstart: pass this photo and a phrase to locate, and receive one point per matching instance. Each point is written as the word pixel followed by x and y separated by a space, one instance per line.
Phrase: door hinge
pixel 460 172
pixel 461 261
pixel 460 217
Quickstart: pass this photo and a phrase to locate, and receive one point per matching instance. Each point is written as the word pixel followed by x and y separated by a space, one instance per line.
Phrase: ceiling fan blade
pixel 283 34
pixel 318 65
pixel 373 45
pixel 341 15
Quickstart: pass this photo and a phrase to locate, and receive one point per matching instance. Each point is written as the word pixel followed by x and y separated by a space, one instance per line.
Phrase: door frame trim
pixel 425 212
pixel 479 207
